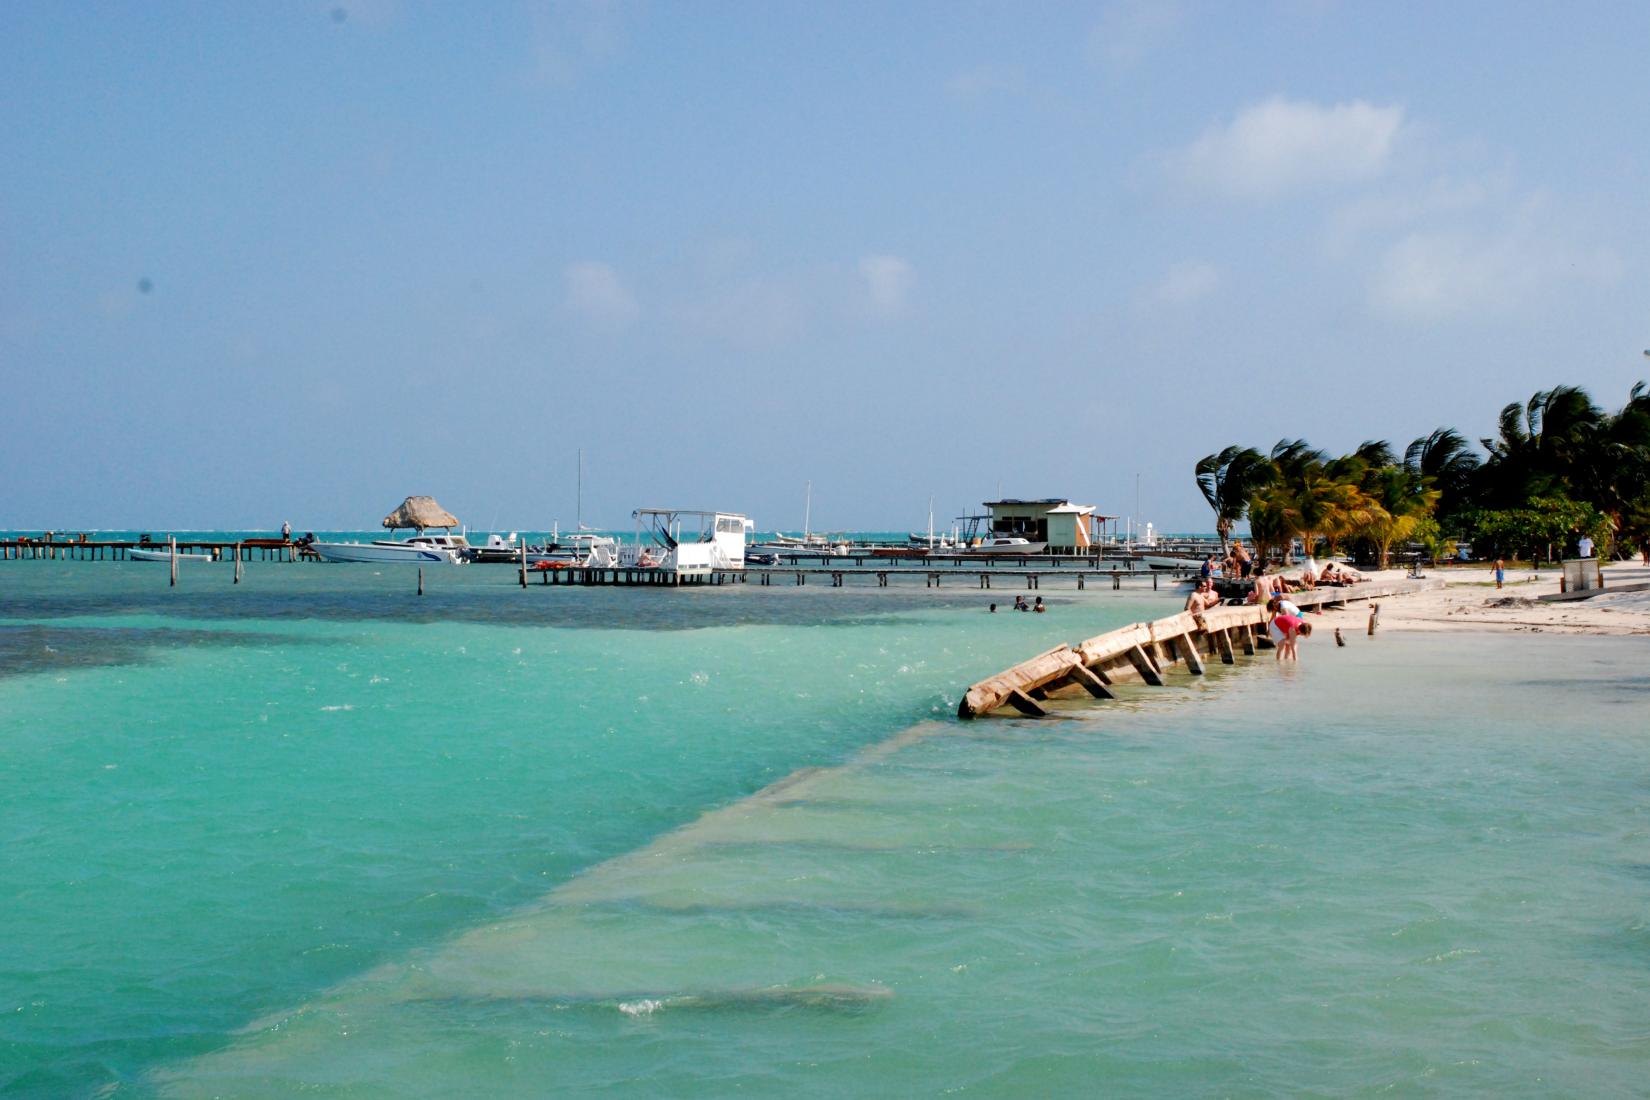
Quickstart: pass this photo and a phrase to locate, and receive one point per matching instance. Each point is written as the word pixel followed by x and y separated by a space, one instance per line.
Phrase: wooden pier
pixel 840 577
pixel 81 549
pixel 1148 651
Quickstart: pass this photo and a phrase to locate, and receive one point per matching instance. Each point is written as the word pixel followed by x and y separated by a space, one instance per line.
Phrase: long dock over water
pixel 1148 651
pixel 840 577
pixel 80 549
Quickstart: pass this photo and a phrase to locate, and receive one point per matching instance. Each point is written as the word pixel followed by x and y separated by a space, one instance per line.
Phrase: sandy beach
pixel 1468 601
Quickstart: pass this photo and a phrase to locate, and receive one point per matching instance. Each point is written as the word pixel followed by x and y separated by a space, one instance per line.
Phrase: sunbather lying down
pixel 1335 573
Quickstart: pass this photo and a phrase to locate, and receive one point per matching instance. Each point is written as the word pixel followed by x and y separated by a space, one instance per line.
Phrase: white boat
pixel 1002 544
pixel 165 555
pixel 1170 561
pixel 417 550
pixel 684 542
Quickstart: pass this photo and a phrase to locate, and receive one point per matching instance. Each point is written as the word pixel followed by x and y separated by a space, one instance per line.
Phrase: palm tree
pixel 1228 480
pixel 1400 501
pixel 1447 460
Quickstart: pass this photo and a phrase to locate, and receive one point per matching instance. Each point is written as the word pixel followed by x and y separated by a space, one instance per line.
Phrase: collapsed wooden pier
pixel 1146 652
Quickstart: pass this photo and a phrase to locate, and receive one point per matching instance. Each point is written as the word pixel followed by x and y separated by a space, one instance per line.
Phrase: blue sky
pixel 295 261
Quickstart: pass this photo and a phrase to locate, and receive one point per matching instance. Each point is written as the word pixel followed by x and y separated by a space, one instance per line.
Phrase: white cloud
pixel 1437 275
pixel 888 281
pixel 1185 282
pixel 595 293
pixel 1282 146
pixel 1128 30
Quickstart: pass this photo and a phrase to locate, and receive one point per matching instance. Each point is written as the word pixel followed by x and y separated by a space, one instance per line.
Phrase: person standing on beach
pixel 1500 572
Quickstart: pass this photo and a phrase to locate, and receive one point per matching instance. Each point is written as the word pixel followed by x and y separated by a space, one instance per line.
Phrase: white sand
pixel 1469 602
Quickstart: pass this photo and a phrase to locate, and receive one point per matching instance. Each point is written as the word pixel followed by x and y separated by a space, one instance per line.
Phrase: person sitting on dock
pixel 644 560
pixel 1203 597
pixel 1208 569
pixel 1267 586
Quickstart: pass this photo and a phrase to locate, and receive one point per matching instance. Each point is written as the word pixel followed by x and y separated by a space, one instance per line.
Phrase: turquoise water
pixel 317 834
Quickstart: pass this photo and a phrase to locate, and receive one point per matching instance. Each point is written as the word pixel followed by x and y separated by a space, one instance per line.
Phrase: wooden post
pixel 1188 653
pixel 173 543
pixel 1025 704
pixel 524 563
pixel 1142 663
pixel 1223 646
pixel 1374 618
pixel 1091 682
pixel 420 580
pixel 237 563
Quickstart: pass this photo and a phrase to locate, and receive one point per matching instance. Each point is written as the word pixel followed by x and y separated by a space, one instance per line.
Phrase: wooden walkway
pixel 1148 651
pixel 88 550
pixel 840 577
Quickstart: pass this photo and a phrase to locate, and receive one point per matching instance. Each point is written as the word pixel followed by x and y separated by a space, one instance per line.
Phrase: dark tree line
pixel 1559 467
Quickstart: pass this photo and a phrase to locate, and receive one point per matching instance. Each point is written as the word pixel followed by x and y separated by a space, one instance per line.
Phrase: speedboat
pixel 417 550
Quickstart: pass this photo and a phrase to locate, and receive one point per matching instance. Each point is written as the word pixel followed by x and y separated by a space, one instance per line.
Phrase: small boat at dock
pixel 136 554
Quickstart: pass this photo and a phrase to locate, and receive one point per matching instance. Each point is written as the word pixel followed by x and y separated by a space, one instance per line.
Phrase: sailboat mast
pixel 578 517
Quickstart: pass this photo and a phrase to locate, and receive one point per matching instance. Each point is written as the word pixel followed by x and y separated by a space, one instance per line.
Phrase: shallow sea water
pixel 317 835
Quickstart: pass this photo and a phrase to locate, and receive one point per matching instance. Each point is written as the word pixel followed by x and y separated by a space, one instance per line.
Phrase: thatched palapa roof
pixel 420 512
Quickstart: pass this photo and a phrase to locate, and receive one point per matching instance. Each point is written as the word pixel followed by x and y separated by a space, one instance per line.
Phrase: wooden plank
pixel 993 692
pixel 1114 643
pixel 1027 706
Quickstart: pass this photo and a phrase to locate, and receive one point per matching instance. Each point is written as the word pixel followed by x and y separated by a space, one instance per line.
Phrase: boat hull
pixel 165 555
pixel 376 554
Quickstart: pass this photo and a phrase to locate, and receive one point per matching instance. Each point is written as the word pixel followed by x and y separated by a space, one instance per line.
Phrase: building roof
pixel 1051 505
pixel 1033 500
